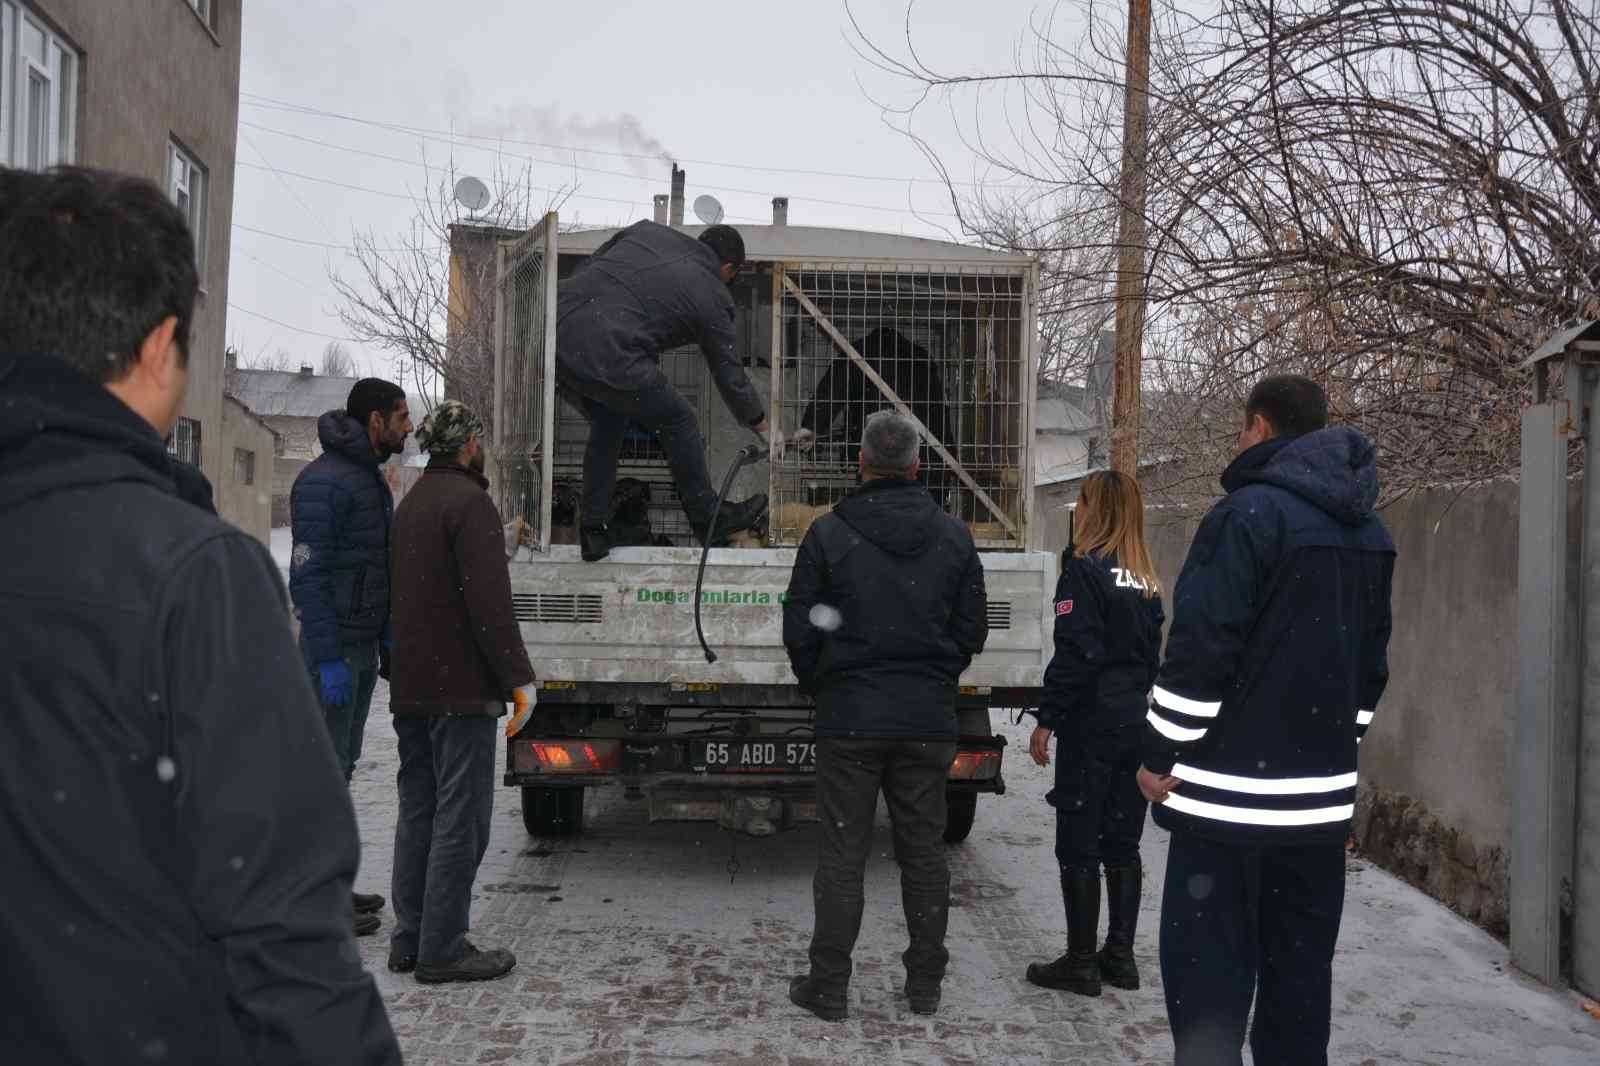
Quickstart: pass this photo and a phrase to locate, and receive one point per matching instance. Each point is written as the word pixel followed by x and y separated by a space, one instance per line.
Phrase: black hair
pixel 726 242
pixel 373 394
pixel 1294 405
pixel 90 262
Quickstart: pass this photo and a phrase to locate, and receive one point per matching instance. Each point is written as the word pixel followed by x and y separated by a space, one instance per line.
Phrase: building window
pixel 280 447
pixel 244 467
pixel 186 185
pixel 38 92
pixel 184 444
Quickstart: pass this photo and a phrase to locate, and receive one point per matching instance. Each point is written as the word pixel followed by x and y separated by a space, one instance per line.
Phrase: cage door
pixel 525 373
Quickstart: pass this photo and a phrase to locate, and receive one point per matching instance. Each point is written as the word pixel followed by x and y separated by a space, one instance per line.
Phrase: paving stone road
pixel 633 947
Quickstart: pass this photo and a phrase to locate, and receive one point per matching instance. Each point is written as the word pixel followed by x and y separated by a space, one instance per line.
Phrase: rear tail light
pixel 567 756
pixel 975 766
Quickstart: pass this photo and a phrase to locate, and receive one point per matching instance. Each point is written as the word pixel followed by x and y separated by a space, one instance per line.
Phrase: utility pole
pixel 1125 406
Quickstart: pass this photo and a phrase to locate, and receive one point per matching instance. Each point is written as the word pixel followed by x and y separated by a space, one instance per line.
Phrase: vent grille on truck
pixel 999 614
pixel 557 607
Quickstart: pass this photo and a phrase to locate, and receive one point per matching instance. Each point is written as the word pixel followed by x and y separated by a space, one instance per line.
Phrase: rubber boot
pixel 1078 970
pixel 1124 885
pixel 594 543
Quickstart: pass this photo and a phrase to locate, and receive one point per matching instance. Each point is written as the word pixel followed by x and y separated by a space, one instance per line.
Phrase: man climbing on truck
pixel 647 290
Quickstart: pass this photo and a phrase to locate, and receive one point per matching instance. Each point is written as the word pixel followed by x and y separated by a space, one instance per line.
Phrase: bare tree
pixel 337 362
pixel 1395 198
pixel 401 301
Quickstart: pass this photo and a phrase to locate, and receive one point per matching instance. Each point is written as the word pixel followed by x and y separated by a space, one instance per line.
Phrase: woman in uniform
pixel 1108 621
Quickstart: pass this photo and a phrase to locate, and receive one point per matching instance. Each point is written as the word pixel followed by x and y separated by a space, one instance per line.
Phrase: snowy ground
pixel 282 546
pixel 634 947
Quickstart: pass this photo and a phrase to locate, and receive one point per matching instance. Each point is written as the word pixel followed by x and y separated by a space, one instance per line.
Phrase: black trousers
pixel 911 774
pixel 1239 922
pixel 659 408
pixel 1099 809
pixel 447 770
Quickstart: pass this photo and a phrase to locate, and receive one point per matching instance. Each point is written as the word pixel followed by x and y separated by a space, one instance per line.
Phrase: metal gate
pixel 525 368
pixel 947 344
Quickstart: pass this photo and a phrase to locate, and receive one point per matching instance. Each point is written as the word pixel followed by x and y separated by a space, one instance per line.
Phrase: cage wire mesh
pixel 522 436
pixel 950 343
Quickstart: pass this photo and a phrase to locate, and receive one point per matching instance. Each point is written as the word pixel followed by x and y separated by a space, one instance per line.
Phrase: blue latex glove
pixel 336 686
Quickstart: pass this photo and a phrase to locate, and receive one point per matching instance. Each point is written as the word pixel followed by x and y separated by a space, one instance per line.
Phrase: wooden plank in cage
pixel 889 394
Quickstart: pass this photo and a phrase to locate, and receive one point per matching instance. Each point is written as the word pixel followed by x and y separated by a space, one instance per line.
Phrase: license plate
pixel 754 756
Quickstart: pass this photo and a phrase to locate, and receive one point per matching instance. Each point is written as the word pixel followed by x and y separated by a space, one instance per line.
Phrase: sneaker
pixel 828 1006
pixel 594 543
pixel 733 518
pixel 366 924
pixel 400 962
pixel 365 903
pixel 473 965
pixel 924 1000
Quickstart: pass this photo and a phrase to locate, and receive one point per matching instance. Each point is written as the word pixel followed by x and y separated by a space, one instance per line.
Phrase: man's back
pixel 154 706
pixel 1277 653
pixel 907 584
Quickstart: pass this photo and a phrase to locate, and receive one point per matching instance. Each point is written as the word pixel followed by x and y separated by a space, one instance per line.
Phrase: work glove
pixel 801 440
pixel 385 650
pixel 335 687
pixel 515 532
pixel 523 701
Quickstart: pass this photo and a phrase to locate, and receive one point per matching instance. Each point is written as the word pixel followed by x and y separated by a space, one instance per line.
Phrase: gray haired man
pixel 885 609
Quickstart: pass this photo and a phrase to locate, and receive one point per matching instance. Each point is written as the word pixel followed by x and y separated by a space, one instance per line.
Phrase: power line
pixel 349 249
pixel 293 329
pixel 270 103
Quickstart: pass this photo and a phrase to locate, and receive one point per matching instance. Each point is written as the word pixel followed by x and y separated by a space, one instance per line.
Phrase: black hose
pixel 747 455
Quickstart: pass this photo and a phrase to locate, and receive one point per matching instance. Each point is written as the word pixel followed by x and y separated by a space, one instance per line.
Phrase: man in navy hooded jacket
pixel 341 509
pixel 1276 659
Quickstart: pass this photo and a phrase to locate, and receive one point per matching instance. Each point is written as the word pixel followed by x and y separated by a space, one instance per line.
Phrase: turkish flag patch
pixel 1063 607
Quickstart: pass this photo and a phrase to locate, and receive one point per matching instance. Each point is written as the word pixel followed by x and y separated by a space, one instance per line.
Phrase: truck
pixel 833 324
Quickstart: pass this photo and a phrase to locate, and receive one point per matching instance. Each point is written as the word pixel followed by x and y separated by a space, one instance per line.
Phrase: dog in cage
pixel 845 396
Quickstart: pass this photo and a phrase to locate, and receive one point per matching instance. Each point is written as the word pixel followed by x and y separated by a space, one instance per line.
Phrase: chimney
pixel 780 210
pixel 676 216
pixel 661 207
pixel 306 371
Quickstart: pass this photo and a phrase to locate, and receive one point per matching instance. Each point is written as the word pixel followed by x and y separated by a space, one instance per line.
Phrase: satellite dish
pixel 472 194
pixel 707 210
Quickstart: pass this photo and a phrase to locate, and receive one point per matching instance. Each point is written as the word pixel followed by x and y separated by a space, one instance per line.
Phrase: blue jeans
pixel 447 775
pixel 347 725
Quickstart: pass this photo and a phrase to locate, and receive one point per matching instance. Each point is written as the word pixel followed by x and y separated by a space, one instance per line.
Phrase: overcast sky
pixel 746 96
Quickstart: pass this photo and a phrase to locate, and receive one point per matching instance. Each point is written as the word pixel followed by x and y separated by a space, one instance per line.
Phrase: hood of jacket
pixel 898 516
pixel 59 429
pixel 1335 468
pixel 343 435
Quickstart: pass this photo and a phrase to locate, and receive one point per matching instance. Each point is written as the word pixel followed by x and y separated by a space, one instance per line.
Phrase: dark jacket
pixel 645 291
pixel 180 842
pixel 1278 651
pixel 340 508
pixel 457 648
pixel 908 583
pixel 1108 647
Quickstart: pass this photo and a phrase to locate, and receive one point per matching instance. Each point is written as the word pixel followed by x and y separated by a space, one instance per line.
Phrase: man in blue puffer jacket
pixel 1276 660
pixel 340 509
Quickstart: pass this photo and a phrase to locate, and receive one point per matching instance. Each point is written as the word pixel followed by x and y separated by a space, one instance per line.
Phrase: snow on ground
pixel 635 945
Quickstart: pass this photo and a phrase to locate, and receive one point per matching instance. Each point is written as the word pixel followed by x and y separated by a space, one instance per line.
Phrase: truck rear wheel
pixel 961 809
pixel 553 812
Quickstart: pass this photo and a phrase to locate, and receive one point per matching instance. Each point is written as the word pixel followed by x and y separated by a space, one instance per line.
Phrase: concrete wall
pixel 151 72
pixel 1435 802
pixel 247 505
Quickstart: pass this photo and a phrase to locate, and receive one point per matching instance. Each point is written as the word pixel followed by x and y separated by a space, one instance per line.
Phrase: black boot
pixel 594 543
pixel 733 518
pixel 1078 970
pixel 1123 887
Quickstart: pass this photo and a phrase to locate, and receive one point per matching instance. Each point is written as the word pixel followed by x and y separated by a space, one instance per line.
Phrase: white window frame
pixel 57 69
pixel 187 177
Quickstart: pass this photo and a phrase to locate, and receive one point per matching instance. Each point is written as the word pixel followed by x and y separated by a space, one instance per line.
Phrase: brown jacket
pixel 457 648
